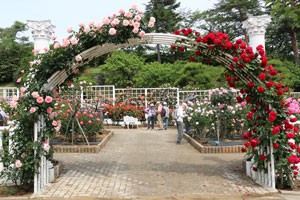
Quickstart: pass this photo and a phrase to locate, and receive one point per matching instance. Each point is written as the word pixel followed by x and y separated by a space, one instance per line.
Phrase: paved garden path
pixel 141 164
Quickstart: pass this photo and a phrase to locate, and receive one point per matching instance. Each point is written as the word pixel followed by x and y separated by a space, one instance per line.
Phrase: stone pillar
pixel 41 31
pixel 256 29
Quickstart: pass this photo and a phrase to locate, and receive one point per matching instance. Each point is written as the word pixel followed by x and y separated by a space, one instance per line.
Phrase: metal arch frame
pixel 150 38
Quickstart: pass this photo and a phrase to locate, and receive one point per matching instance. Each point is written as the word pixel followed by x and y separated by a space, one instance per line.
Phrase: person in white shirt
pixel 179 122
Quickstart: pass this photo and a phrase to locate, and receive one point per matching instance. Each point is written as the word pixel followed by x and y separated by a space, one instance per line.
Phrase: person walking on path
pixel 179 121
pixel 159 118
pixel 166 115
pixel 150 116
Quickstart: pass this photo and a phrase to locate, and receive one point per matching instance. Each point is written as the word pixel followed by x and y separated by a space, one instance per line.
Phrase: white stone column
pixel 256 29
pixel 41 31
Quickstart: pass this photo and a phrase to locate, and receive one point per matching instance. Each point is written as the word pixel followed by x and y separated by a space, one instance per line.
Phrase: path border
pixel 85 148
pixel 213 149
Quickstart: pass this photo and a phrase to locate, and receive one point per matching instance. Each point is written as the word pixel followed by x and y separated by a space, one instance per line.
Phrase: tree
pixel 13 50
pixel 227 16
pixel 120 68
pixel 286 15
pixel 166 17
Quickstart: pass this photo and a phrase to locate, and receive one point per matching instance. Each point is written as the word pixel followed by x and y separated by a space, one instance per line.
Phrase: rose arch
pixel 270 126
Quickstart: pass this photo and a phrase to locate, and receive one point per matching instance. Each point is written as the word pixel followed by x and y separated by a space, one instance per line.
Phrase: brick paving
pixel 137 163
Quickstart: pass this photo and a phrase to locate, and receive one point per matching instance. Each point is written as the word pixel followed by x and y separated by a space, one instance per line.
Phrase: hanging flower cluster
pixel 269 120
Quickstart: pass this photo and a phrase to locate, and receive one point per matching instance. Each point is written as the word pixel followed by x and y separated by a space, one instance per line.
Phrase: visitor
pixel 179 121
pixel 187 116
pixel 3 116
pixel 166 115
pixel 159 118
pixel 151 113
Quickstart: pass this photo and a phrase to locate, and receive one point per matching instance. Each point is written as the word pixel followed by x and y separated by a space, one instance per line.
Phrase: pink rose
pixel 112 31
pixel 136 24
pixel 53 37
pixel 150 24
pixel 48 99
pixel 32 110
pixel 142 34
pixel 35 95
pixel 121 12
pixel 137 18
pixel 19 80
pixel 125 22
pixel 54 123
pixel 74 41
pixel 90 122
pixel 49 110
pixel 128 15
pixel 78 58
pixel 56 45
pixel 106 21
pixel 40 100
pixel 115 22
pixel 81 122
pixel 135 30
pixel 18 164
pixel 152 19
pixel 23 89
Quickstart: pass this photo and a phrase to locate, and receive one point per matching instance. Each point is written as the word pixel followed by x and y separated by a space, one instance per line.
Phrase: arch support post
pixel 41 31
pixel 256 28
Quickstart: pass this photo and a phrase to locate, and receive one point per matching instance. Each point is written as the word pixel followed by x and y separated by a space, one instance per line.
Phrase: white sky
pixel 69 13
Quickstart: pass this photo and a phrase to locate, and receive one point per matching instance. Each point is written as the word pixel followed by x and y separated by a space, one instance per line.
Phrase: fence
pixel 6 93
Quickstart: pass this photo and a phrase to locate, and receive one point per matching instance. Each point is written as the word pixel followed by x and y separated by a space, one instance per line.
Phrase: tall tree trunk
pixel 158 53
pixel 295 47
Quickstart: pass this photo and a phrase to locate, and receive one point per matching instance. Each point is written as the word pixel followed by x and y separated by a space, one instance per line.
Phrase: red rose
pixel 177 32
pixel 275 146
pixel 239 99
pixel 293 159
pixel 270 84
pixel 280 91
pixel 246 144
pixel 181 48
pixel 276 129
pixel 290 135
pixel 262 76
pixel 294 119
pixel 261 89
pixel 254 142
pixel 235 59
pixel 192 59
pixel 198 39
pixel 197 53
pixel 263 157
pixel 250 115
pixel 246 135
pixel 248 98
pixel 243 150
pixel 250 84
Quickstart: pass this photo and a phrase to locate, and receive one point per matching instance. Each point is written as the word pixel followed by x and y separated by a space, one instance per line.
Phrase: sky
pixel 69 13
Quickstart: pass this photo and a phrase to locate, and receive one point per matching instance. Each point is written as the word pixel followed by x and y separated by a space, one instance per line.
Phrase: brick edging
pixel 213 149
pixel 84 148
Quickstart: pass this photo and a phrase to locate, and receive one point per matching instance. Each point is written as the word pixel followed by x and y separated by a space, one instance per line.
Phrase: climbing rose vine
pixel 22 160
pixel 269 119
